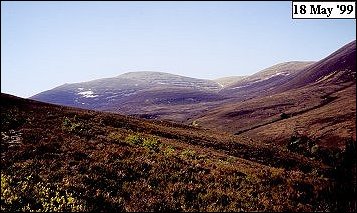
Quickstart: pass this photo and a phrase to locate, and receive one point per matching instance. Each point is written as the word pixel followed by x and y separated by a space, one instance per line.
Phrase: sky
pixel 47 44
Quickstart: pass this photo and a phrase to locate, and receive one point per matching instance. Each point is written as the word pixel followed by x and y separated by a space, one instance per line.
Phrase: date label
pixel 323 10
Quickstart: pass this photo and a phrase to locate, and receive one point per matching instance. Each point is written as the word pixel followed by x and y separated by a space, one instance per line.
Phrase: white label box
pixel 323 10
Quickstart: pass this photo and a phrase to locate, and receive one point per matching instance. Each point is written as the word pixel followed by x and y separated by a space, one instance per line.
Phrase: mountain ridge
pixel 288 87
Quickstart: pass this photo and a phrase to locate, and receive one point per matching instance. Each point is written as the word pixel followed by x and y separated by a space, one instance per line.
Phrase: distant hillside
pixel 158 95
pixel 283 139
pixel 226 81
pixel 239 105
pixel 317 100
pixel 265 80
pixel 130 92
pixel 337 68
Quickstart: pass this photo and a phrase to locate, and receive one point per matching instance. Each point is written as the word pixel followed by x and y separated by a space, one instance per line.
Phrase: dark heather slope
pixel 67 159
pixel 265 81
pixel 340 66
pixel 248 104
pixel 318 102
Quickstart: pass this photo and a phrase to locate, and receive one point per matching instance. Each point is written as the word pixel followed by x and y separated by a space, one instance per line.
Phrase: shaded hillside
pixel 157 95
pixel 330 110
pixel 135 89
pixel 68 159
pixel 265 81
pixel 339 67
pixel 318 102
pixel 328 125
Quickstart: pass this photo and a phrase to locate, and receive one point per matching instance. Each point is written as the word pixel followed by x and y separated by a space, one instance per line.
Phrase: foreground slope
pixel 68 159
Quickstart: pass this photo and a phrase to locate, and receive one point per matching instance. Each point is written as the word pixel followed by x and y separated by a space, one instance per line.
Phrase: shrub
pixel 230 159
pixel 73 126
pixel 195 123
pixel 135 139
pixel 187 153
pixel 12 119
pixel 115 136
pixel 26 195
pixel 284 115
pixel 315 149
pixel 152 144
pixel 169 150
pixel 8 196
pixel 302 144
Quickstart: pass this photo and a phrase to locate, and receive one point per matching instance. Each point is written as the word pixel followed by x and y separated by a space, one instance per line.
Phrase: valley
pixel 282 139
pixel 233 104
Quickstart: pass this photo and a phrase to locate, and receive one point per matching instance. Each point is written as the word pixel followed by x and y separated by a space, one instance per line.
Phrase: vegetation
pixel 150 143
pixel 135 139
pixel 74 160
pixel 12 119
pixel 187 153
pixel 284 115
pixel 29 195
pixel 74 126
pixel 195 123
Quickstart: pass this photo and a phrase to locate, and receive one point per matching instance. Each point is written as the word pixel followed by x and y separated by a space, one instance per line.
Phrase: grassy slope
pixel 326 114
pixel 59 158
pixel 330 124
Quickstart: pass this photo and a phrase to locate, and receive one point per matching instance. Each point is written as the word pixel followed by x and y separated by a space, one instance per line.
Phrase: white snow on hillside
pixel 87 94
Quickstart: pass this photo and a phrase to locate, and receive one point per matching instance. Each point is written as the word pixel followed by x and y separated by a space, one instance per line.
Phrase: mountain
pixel 283 139
pixel 157 95
pixel 337 68
pixel 264 81
pixel 131 92
pixel 225 81
pixel 57 158
pixel 316 100
pixel 301 95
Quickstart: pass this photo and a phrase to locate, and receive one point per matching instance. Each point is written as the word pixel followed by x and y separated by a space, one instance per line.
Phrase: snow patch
pixel 280 73
pixel 112 96
pixel 87 94
pixel 129 94
pixel 241 86
pixel 323 78
pixel 161 83
pixel 220 85
pixel 260 80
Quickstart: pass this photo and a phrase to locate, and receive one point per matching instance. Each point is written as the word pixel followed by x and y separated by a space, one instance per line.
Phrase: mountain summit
pixel 285 86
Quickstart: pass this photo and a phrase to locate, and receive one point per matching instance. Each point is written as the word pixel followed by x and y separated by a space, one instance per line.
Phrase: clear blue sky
pixel 46 44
